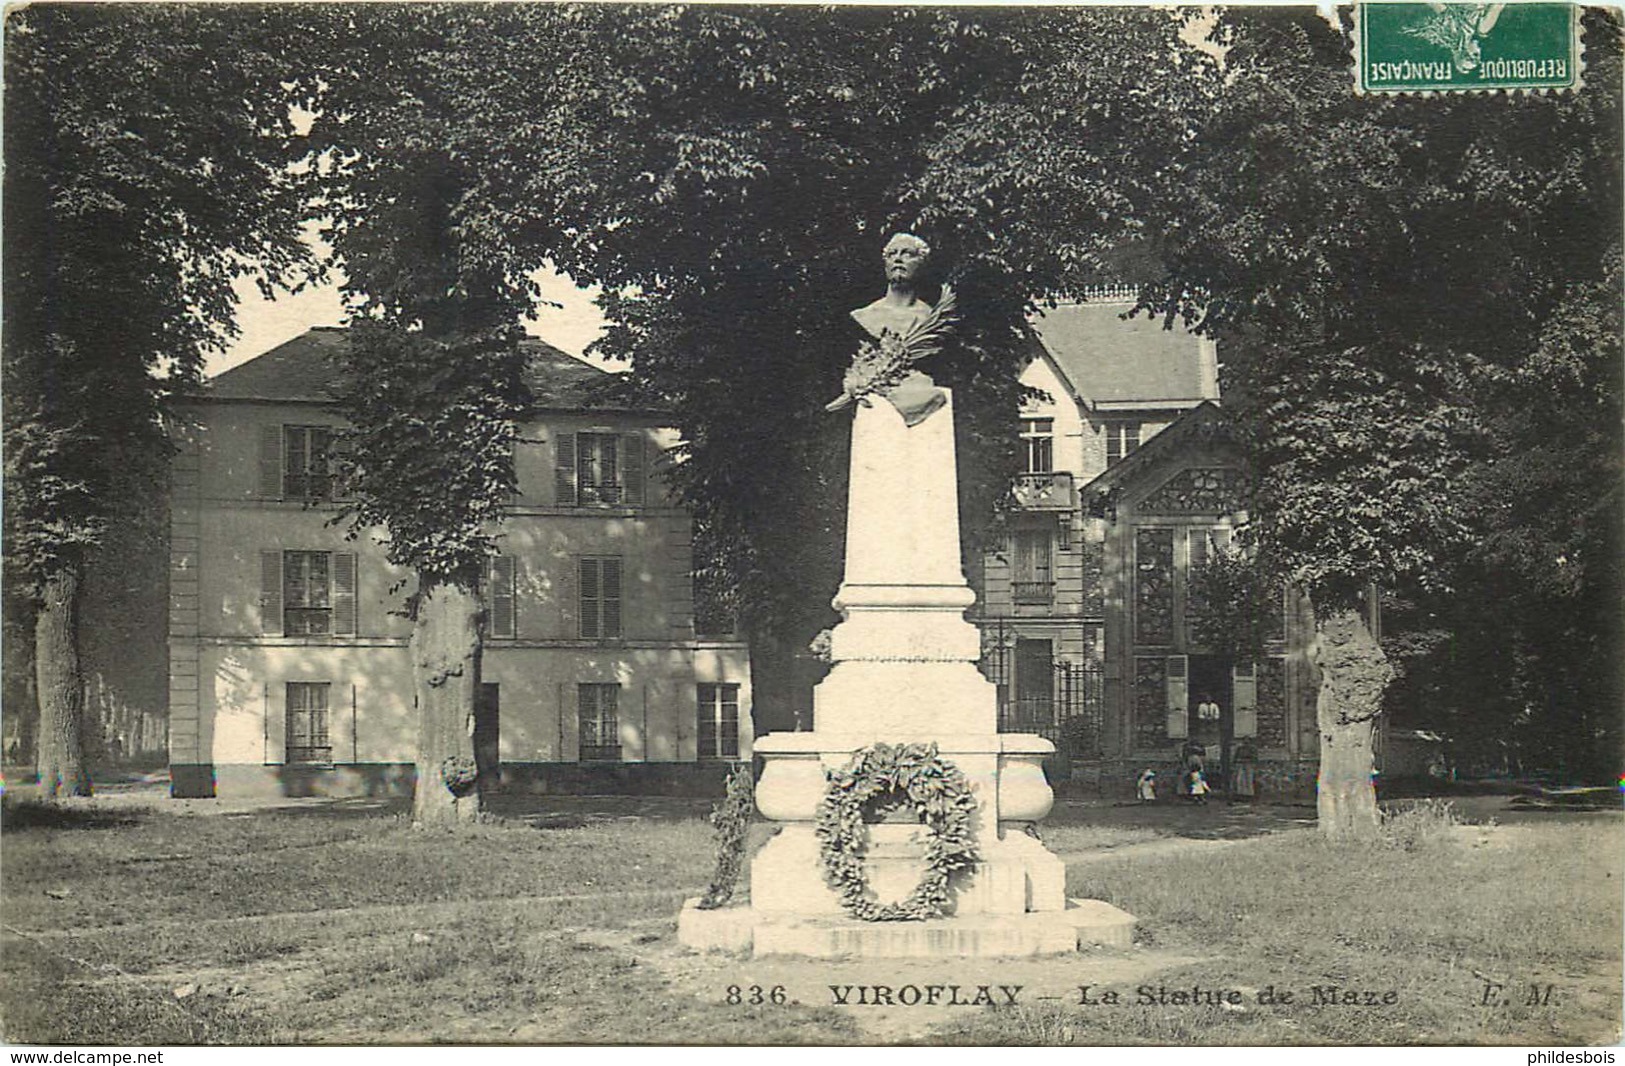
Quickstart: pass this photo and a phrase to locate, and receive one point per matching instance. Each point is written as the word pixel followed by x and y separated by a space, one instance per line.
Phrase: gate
pixel 1064 703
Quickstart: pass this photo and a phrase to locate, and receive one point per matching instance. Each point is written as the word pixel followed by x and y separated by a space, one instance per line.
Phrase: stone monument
pixel 904 672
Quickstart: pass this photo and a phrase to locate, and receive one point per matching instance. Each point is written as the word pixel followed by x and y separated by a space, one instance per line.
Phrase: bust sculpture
pixel 905 328
pixel 906 258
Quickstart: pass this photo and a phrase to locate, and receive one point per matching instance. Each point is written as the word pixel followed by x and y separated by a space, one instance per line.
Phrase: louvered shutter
pixel 1244 695
pixel 1178 698
pixel 564 469
pixel 270 486
pixel 590 605
pixel 633 474
pixel 500 585
pixel 611 593
pixel 271 592
pixel 344 598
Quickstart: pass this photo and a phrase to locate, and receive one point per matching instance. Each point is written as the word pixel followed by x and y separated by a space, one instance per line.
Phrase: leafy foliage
pixel 941 795
pixel 730 817
pixel 1375 264
pixel 769 154
pixel 144 175
pixel 430 445
pixel 1234 607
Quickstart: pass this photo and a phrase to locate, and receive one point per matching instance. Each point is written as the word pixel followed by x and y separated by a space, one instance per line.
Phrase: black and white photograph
pixel 750 526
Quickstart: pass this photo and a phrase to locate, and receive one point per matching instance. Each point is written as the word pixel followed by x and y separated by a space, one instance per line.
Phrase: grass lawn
pixel 151 927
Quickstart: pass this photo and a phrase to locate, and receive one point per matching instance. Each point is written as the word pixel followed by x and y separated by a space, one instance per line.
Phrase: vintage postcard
pixel 552 524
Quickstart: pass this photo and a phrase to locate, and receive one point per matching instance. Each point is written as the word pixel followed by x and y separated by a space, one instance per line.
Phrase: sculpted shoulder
pixel 883 315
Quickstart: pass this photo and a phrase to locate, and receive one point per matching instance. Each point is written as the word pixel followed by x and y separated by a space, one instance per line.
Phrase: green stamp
pixel 1405 47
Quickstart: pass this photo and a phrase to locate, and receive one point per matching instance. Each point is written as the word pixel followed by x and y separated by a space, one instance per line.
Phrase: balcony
pixel 1033 593
pixel 1045 492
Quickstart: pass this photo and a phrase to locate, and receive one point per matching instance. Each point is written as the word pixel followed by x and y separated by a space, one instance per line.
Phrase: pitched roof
pixel 306 369
pixel 1205 424
pixel 1107 358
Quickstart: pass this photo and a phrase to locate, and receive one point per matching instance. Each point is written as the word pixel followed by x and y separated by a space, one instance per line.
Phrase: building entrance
pixel 1211 687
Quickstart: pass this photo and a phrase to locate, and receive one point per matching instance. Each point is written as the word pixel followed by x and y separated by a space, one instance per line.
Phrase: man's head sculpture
pixel 906 257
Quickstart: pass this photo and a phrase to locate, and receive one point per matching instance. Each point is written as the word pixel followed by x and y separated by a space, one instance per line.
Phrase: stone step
pixel 739 929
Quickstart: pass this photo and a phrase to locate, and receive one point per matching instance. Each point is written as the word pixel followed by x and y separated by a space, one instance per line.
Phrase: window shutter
pixel 1198 548
pixel 589 599
pixel 1178 699
pixel 271 592
pixel 344 606
pixel 500 582
pixel 611 592
pixel 1245 697
pixel 564 469
pixel 270 487
pixel 633 475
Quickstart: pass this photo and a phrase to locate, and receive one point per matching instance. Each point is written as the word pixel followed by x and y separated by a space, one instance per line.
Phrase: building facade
pixel 288 665
pixel 1086 609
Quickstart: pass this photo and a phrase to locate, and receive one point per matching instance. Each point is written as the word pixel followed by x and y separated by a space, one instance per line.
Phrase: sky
pixel 266 323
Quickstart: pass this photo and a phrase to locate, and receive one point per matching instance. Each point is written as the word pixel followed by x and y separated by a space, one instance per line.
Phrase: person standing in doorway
pixel 1205 732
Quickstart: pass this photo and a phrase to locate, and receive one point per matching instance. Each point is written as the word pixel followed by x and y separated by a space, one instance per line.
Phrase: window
pixel 1030 577
pixel 599 469
pixel 598 709
pixel 1122 437
pixel 297 463
pixel 308 742
pixel 719 721
pixel 1038 444
pixel 500 602
pixel 600 584
pixel 308 593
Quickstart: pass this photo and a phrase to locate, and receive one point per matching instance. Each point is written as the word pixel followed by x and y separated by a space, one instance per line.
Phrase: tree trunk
pixel 61 689
pixel 445 648
pixel 1353 674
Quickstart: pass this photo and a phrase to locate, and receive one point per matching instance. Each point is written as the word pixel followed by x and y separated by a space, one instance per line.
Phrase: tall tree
pixel 1383 262
pixel 1370 262
pixel 452 159
pixel 145 172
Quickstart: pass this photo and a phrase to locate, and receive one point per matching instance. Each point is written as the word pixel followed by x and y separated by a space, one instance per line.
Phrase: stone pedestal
pixel 904 672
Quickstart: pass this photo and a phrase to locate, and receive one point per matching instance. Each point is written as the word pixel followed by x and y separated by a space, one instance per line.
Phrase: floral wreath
pixel 941 795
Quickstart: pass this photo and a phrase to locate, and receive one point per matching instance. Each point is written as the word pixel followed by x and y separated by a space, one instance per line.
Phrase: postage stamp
pixel 1431 47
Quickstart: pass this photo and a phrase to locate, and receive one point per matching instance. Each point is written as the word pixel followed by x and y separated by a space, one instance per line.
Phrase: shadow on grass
pixel 22 815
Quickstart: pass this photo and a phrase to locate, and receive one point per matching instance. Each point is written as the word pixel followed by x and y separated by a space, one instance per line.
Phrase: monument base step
pixel 738 929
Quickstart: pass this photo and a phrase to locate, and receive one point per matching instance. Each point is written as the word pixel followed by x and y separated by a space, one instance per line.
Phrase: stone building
pixel 288 666
pixel 1087 620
